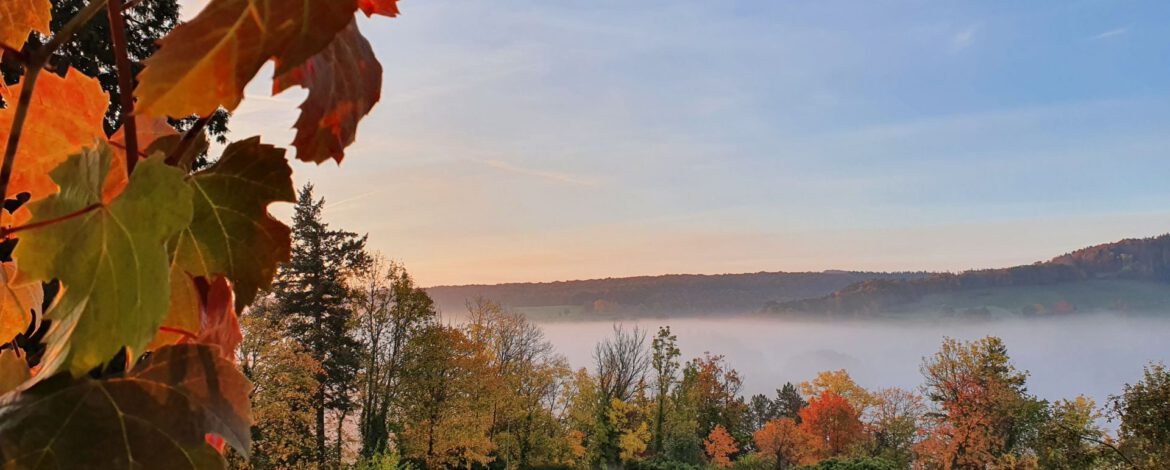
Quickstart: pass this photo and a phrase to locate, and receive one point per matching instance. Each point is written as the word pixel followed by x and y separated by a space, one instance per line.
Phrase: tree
pixel 313 293
pixel 390 311
pixel 284 383
pixel 666 365
pixel 835 424
pixel 1069 437
pixel 711 387
pixel 784 441
pixel 621 363
pixel 1144 411
pixel 787 404
pixel 720 446
pixel 984 412
pixel 840 383
pixel 894 422
pixel 446 408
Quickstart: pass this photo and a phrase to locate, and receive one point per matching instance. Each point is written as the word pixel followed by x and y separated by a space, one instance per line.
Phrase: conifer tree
pixel 313 295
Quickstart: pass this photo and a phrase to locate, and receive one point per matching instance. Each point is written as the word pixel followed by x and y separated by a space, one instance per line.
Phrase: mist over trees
pixel 354 367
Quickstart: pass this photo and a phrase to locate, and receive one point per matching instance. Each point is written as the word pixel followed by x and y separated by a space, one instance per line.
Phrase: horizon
pixel 777 137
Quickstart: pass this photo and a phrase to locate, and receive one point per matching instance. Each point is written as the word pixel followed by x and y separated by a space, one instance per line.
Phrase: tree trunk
pixel 322 458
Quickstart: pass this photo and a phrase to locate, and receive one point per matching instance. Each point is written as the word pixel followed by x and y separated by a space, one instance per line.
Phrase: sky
pixel 536 141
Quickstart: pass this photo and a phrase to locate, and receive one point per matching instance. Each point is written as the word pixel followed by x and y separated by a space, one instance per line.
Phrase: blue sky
pixel 537 140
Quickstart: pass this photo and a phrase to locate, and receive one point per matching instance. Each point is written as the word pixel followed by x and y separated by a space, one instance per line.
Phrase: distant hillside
pixel 668 295
pixel 1129 275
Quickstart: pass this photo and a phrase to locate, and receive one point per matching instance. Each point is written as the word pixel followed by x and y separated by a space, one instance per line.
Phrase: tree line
pixel 354 367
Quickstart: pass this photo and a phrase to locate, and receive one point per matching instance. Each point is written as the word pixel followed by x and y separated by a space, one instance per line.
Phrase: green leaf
pixel 344 81
pixel 111 258
pixel 157 416
pixel 232 234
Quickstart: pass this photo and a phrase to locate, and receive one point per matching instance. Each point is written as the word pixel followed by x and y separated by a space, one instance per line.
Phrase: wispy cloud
pixel 964 38
pixel 1110 34
pixel 556 176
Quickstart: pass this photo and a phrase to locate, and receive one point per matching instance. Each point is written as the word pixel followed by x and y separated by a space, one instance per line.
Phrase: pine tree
pixel 312 293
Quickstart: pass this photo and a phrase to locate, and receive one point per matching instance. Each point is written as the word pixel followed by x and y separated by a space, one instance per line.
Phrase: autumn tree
pixel 666 366
pixel 1144 410
pixel 1069 438
pixel 620 363
pixel 983 412
pixel 446 411
pixel 834 423
pixel 894 421
pixel 720 446
pixel 711 388
pixel 785 442
pixel 284 381
pixel 522 378
pixel 390 310
pixel 841 384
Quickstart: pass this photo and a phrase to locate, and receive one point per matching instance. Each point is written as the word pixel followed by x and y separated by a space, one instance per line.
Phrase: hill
pixel 667 295
pixel 1129 275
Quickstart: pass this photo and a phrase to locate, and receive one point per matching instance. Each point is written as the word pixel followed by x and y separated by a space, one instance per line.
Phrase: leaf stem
pixel 179 331
pixel 125 82
pixel 34 66
pixel 4 233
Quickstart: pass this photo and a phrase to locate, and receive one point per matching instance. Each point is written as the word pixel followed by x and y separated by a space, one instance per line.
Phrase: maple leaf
pixel 65 114
pixel 150 129
pixel 205 63
pixel 379 7
pixel 344 82
pixel 110 258
pixel 232 233
pixel 18 18
pixel 157 416
pixel 19 305
pixel 13 371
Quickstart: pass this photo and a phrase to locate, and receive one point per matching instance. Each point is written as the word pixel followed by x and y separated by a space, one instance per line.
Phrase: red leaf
pixel 344 81
pixel 379 7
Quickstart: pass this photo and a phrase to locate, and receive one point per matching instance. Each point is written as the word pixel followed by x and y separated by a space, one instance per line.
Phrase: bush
pixel 853 464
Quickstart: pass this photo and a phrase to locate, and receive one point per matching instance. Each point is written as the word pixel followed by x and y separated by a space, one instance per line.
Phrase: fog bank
pixel 1090 355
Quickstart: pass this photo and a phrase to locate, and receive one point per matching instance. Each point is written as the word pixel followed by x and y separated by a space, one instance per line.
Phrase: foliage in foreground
pixel 118 304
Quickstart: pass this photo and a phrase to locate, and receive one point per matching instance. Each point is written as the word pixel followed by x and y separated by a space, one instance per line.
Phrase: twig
pixel 179 331
pixel 4 233
pixel 35 64
pixel 125 82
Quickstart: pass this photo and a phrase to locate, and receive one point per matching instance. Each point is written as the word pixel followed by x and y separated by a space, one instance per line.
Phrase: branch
pixel 5 232
pixel 125 82
pixel 1098 441
pixel 35 64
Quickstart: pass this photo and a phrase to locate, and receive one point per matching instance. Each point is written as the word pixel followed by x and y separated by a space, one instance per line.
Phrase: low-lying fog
pixel 1066 356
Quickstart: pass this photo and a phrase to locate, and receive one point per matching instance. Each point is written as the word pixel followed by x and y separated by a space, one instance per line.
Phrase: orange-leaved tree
pixel 118 303
pixel 784 442
pixel 719 446
pixel 834 423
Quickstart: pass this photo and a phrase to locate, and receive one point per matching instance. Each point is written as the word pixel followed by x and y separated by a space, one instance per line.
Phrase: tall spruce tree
pixel 312 293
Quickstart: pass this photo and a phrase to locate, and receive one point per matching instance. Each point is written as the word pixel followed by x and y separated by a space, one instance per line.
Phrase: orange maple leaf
pixel 18 18
pixel 205 63
pixel 65 114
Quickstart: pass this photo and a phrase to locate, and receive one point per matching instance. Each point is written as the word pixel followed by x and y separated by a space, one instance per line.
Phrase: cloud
pixel 963 39
pixel 1109 34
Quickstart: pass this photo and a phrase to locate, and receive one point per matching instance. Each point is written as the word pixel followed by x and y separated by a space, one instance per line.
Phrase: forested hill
pixel 675 294
pixel 1129 275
